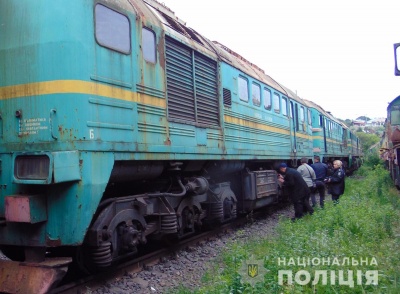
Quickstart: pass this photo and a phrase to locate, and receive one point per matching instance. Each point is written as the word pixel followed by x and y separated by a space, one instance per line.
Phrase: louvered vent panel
pixel 180 90
pixel 227 97
pixel 192 91
pixel 206 90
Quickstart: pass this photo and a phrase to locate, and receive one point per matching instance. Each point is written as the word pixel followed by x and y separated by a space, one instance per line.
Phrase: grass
pixel 363 227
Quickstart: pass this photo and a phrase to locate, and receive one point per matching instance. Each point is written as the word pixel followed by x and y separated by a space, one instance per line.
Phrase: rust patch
pixel 395 136
pixel 19 277
pixel 161 46
pixel 53 242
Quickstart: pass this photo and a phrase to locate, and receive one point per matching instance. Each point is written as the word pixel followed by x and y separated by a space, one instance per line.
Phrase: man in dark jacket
pixel 336 181
pixel 321 170
pixel 297 189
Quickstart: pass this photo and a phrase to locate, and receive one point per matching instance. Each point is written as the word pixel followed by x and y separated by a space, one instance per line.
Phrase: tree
pixel 367 140
pixel 348 122
pixel 364 118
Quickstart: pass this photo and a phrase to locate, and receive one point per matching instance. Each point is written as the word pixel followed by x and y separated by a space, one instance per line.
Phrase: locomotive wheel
pixel 122 243
pixel 187 222
pixel 229 208
pixel 125 239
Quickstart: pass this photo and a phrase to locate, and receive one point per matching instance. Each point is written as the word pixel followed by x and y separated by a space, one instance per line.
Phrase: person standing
pixel 336 181
pixel 321 171
pixel 308 175
pixel 306 172
pixel 297 189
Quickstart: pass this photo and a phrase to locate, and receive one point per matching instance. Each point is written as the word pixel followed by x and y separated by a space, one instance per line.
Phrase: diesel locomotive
pixel 120 124
pixel 390 141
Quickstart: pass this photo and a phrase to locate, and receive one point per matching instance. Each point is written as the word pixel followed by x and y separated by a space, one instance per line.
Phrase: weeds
pixel 364 226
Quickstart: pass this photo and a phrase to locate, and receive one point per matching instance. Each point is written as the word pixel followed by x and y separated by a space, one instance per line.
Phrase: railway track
pixel 92 282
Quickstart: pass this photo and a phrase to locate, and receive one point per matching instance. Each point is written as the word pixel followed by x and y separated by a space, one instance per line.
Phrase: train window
pixel 309 117
pixel 291 109
pixel 301 113
pixel 284 106
pixel 395 115
pixel 149 45
pixel 243 89
pixel 302 119
pixel 277 106
pixel 321 121
pixel 267 99
pixel 256 94
pixel 112 29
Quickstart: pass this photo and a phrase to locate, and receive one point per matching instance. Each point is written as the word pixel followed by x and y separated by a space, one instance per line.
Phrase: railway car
pixel 390 141
pixel 333 140
pixel 119 124
pixel 390 147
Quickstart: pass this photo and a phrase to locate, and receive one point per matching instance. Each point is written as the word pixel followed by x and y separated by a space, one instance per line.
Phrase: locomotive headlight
pixel 31 167
pixel 44 168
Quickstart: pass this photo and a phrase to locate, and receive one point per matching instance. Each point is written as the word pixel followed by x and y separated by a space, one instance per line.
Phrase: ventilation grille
pixel 227 97
pixel 192 88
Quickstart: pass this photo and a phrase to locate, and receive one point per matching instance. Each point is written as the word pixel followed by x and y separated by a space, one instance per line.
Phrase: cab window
pixel 112 29
pixel 149 45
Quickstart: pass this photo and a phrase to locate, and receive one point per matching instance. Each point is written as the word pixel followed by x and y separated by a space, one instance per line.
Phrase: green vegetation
pixel 367 140
pixel 360 234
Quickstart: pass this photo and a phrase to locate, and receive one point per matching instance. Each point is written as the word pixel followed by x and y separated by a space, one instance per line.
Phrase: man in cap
pixel 297 188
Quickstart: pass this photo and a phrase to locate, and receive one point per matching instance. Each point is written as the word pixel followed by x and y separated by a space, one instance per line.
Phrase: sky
pixel 338 54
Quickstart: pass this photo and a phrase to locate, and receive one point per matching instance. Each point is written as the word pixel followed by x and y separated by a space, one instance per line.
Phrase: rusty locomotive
pixel 120 124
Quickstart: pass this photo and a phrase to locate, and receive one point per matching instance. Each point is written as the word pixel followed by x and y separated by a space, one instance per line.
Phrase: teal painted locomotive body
pixel 333 140
pixel 119 123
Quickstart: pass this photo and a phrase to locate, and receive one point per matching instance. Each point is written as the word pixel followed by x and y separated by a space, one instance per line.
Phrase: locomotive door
pixel 293 124
pixel 113 48
pixel 149 72
pixel 323 124
pixel 111 119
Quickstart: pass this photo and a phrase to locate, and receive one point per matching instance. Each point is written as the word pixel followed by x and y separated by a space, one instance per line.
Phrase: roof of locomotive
pixel 176 27
pixel 395 101
pixel 312 104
